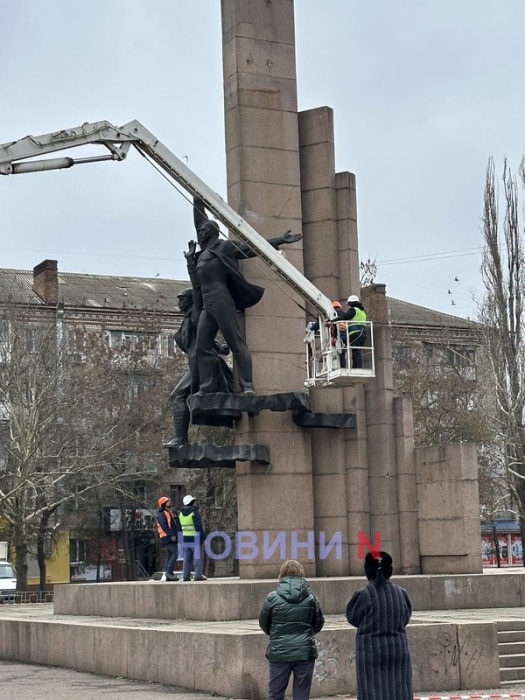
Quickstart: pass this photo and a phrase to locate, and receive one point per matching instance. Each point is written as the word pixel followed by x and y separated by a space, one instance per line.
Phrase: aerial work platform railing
pixel 332 359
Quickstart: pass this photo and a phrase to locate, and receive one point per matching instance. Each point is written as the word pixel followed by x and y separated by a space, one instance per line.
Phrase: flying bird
pixel 449 291
pixel 456 279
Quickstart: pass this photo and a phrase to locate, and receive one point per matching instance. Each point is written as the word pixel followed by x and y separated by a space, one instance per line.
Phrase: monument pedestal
pixel 205 636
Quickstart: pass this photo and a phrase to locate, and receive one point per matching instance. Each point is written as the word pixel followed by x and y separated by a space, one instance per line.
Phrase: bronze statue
pixel 185 338
pixel 222 291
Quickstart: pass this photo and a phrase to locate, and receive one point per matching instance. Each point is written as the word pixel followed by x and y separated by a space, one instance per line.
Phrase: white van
pixel 7 580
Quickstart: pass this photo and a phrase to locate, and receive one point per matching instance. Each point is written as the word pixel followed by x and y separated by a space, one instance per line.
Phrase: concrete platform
pixel 227 658
pixel 236 599
pixel 205 636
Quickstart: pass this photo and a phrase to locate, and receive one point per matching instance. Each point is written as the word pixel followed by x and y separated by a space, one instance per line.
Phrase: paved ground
pixel 27 681
pixel 30 682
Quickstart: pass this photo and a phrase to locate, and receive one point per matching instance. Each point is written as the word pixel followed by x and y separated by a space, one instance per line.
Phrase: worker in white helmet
pixel 356 314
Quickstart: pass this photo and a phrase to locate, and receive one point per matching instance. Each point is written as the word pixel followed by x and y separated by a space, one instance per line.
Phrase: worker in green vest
pixel 193 536
pixel 356 314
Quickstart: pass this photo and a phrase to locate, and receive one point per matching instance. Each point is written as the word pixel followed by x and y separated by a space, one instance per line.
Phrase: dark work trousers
pixel 219 313
pixel 357 340
pixel 342 355
pixel 172 552
pixel 280 675
pixel 192 559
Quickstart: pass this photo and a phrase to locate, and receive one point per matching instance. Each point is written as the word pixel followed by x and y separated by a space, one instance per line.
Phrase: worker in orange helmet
pixel 339 329
pixel 167 529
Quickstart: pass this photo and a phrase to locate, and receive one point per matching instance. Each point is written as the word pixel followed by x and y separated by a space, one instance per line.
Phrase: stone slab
pixel 476 591
pixel 474 640
pixel 210 404
pixel 228 658
pixel 205 454
pixel 237 599
pixel 325 420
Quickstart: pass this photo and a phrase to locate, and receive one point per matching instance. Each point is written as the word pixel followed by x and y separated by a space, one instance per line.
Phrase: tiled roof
pixel 109 291
pixel 104 291
pixel 17 286
pixel 404 313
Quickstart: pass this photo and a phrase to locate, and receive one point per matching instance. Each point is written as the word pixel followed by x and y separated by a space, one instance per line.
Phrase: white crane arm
pixel 118 141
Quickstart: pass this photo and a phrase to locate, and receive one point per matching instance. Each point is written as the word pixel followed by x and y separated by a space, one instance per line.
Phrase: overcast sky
pixel 423 93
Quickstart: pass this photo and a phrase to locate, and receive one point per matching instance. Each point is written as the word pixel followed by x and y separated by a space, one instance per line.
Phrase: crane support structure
pixel 118 141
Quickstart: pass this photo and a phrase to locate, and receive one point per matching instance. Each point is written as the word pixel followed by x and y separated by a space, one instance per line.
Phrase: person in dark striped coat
pixel 381 611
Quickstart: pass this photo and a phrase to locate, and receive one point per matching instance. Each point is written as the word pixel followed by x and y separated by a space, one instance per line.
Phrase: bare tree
pixel 367 272
pixel 443 379
pixel 501 313
pixel 71 425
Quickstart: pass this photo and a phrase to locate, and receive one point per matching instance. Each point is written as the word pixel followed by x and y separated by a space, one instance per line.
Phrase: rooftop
pixel 102 291
pixel 109 291
pixel 405 313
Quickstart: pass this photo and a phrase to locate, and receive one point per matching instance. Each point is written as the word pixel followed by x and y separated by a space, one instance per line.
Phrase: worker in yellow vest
pixel 193 536
pixel 356 314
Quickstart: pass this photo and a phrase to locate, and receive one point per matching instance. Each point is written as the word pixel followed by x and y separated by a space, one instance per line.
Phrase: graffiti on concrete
pixel 328 659
pixel 445 659
pixel 472 651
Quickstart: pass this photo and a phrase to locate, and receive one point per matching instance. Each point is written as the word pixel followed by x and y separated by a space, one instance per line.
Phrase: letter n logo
pixel 363 541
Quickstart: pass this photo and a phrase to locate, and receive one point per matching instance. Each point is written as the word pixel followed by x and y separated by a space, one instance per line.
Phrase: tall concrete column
pixel 262 146
pixel 319 199
pixel 407 496
pixel 321 262
pixel 341 497
pixel 356 448
pixel 357 485
pixel 379 397
pixel 347 238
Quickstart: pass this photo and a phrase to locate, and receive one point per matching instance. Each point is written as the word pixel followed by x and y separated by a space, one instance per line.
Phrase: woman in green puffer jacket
pixel 291 615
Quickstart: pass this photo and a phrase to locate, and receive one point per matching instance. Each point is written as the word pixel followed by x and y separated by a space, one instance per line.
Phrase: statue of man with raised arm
pixel 223 290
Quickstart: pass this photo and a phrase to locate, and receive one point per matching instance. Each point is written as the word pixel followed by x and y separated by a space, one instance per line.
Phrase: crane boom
pixel 118 141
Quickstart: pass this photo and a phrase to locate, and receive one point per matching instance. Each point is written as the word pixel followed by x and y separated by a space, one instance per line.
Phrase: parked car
pixel 7 580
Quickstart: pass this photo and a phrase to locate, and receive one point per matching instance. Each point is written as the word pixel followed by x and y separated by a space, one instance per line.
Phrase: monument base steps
pixel 511 647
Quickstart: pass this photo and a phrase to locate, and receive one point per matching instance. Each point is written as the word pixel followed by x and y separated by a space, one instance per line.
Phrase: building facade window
pixel 77 551
pixel 404 353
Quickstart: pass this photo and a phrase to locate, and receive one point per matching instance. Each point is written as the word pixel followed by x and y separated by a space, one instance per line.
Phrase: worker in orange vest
pixel 167 529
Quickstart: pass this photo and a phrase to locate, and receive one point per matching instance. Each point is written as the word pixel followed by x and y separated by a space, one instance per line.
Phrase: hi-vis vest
pixel 160 529
pixel 187 524
pixel 357 323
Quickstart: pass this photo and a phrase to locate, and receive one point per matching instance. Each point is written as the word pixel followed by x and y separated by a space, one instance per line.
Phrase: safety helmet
pixel 188 500
pixel 337 305
pixel 353 298
pixel 163 500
